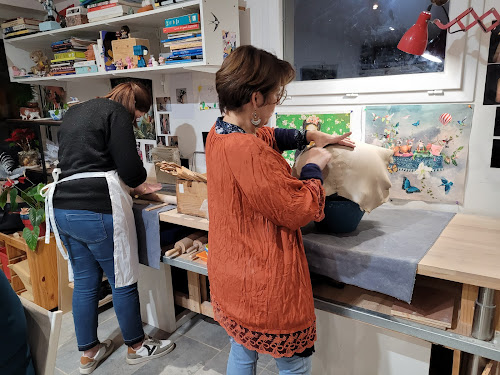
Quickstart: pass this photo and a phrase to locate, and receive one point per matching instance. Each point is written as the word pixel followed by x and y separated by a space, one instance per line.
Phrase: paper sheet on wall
pixel 181 86
pixel 331 123
pixel 431 145
pixel 207 97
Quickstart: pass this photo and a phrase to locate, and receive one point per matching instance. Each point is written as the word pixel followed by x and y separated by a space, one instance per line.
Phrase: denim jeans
pixel 88 238
pixel 243 361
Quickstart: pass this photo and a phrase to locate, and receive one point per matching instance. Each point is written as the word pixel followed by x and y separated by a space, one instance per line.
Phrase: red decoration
pixel 414 41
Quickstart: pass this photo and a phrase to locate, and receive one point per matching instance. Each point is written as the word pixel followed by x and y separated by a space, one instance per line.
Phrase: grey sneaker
pixel 88 365
pixel 151 348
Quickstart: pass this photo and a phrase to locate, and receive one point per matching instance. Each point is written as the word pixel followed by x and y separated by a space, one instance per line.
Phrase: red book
pixel 176 29
pixel 101 7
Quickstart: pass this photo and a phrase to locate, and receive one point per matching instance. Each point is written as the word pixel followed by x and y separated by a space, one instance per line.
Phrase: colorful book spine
pixel 182 20
pixel 176 29
pixel 84 63
pixel 188 52
pixel 19 27
pixel 184 37
pixel 69 55
pixel 100 3
pixel 20 21
pixel 178 46
pixel 107 6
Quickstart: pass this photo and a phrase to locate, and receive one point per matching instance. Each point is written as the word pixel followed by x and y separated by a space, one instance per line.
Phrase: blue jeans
pixel 243 361
pixel 88 238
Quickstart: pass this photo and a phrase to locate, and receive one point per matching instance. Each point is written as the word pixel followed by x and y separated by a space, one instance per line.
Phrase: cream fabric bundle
pixel 358 174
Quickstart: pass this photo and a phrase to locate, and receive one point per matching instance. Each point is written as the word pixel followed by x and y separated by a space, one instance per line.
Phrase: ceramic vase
pixel 25 218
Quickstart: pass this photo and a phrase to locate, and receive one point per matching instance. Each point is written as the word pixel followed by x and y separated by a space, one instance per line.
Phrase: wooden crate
pixel 123 48
pixel 190 197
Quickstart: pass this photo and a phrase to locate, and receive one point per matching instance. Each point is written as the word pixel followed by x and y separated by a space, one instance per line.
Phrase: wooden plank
pixel 466 312
pixel 17 283
pixel 105 300
pixel 456 362
pixel 65 291
pixel 203 288
pixel 466 252
pixel 194 291
pixel 489 369
pixel 207 310
pixel 174 217
pixel 43 268
pixel 497 312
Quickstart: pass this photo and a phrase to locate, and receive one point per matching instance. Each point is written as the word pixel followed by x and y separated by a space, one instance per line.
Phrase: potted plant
pixel 25 100
pixel 25 139
pixel 33 217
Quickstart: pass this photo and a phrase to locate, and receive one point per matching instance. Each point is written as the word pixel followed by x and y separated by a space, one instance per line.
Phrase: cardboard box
pixel 123 48
pixel 191 196
pixel 165 153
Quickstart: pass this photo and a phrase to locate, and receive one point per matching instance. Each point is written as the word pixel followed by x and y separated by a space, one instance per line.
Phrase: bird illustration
pixel 447 185
pixel 215 22
pixel 416 123
pixel 462 122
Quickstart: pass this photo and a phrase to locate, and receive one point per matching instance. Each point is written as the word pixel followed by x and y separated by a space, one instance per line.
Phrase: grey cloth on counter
pixel 382 254
pixel 147 225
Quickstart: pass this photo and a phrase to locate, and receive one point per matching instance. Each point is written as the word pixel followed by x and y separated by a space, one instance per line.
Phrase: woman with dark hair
pixel 90 209
pixel 259 279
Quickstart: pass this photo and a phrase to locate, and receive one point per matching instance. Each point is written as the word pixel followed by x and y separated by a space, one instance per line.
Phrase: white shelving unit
pixel 216 16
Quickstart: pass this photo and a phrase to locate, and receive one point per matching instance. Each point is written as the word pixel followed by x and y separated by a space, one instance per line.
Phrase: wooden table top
pixel 468 252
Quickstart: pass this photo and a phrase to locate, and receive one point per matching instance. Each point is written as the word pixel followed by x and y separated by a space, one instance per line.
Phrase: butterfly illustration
pixel 397 125
pixel 375 117
pixel 447 185
pixel 392 168
pixel 408 188
pixel 416 123
pixel 462 122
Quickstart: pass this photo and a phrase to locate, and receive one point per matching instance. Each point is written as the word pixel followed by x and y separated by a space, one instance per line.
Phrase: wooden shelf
pixel 174 217
pixel 46 122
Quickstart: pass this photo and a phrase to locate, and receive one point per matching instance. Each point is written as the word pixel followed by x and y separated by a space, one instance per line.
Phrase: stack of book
pixel 66 53
pixel 19 27
pixel 184 40
pixel 99 10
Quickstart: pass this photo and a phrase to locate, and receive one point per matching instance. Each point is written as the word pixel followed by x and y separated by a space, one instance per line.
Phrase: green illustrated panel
pixel 332 123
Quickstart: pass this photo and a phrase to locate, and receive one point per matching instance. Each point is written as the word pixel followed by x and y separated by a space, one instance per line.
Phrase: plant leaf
pixel 36 216
pixel 460 148
pixel 31 237
pixel 3 198
pixel 13 196
pixel 454 162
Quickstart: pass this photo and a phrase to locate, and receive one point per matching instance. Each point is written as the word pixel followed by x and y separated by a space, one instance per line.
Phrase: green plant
pixel 33 199
pixel 24 94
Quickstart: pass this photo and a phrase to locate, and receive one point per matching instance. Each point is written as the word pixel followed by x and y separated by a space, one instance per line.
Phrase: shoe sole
pixel 135 361
pixel 90 370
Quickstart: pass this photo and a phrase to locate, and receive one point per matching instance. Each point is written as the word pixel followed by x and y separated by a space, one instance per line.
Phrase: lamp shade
pixel 414 41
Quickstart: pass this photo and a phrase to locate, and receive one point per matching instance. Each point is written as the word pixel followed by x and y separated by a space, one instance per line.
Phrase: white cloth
pixel 126 257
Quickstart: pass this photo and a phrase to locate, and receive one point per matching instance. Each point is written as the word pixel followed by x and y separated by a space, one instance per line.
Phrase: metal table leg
pixel 483 329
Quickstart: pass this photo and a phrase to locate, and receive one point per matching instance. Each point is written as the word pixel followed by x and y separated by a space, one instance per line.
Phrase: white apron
pixel 126 256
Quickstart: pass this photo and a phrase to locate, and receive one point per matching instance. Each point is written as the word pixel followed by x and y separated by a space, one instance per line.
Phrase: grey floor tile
pixel 266 372
pixel 188 325
pixel 186 359
pixel 106 312
pixel 227 348
pixel 67 329
pixel 116 364
pixel 58 372
pixel 217 364
pixel 68 357
pixel 209 372
pixel 209 333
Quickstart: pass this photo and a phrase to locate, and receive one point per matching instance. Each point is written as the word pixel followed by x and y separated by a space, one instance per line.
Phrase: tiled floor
pixel 202 348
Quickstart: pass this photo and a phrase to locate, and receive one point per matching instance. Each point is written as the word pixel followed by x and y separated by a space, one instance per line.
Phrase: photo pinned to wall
pixel 331 123
pixel 496 132
pixel 164 123
pixel 164 104
pixel 139 150
pixel 494 52
pixel 173 141
pixel 430 144
pixel 495 154
pixel 161 141
pixel 228 42
pixel 52 98
pixel 145 128
pixel 181 95
pixel 492 86
pixel 148 151
pixel 207 97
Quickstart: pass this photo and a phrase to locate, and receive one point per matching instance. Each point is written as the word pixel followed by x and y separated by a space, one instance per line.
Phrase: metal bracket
pixel 435 92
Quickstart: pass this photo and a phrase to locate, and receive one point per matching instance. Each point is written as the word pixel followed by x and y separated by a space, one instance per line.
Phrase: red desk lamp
pixel 414 41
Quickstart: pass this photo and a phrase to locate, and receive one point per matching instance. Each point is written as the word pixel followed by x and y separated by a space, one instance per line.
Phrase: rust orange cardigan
pixel 259 279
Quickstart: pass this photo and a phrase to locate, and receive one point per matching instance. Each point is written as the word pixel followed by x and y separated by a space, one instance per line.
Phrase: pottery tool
pixel 157 206
pixel 181 246
pixel 198 244
pixel 181 172
pixel 200 250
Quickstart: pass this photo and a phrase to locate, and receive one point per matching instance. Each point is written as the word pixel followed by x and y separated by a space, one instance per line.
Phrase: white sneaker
pixel 88 365
pixel 150 348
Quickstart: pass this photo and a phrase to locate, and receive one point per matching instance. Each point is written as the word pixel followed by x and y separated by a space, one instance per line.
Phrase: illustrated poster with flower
pixel 431 145
pixel 333 123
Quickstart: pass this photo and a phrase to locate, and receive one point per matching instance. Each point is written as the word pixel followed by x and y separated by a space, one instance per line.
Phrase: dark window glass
pixel 328 39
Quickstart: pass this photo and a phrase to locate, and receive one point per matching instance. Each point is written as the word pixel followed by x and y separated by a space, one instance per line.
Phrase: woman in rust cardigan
pixel 259 280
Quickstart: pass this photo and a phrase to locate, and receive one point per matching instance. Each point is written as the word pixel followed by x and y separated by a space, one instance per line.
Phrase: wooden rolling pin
pixel 181 246
pixel 197 245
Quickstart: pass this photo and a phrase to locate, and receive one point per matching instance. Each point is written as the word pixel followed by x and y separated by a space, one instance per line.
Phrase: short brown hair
pixel 132 95
pixel 247 70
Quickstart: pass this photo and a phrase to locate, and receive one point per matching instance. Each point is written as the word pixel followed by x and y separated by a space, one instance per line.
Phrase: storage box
pixel 165 153
pixel 76 16
pixel 192 198
pixel 86 69
pixel 123 48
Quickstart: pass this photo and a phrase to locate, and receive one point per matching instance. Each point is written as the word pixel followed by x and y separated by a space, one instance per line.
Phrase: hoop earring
pixel 256 120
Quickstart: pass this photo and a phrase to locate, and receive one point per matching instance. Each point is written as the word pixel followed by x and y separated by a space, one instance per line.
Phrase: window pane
pixel 327 39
